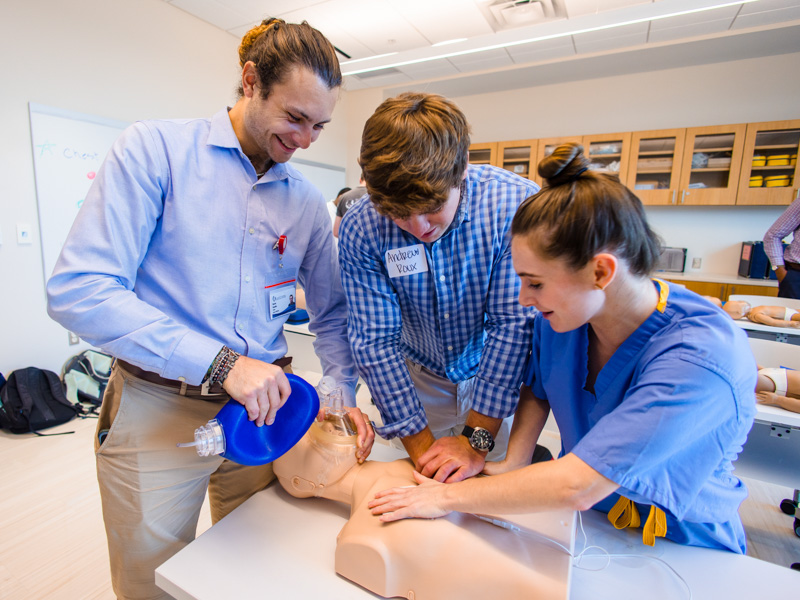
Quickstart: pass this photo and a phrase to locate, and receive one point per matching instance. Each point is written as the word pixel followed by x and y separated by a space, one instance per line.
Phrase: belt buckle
pixel 205 387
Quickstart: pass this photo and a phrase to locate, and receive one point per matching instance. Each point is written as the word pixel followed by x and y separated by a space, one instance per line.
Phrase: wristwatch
pixel 479 438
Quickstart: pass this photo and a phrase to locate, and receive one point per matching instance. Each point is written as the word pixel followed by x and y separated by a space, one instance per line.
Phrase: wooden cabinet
pixel 609 152
pixel 518 157
pixel 483 154
pixel 769 167
pixel 723 290
pixel 712 160
pixel 655 164
pixel 751 290
pixel 746 164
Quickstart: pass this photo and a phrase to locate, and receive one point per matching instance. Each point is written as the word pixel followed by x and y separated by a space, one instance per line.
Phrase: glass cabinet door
pixel 712 160
pixel 655 164
pixel 609 153
pixel 518 157
pixel 483 154
pixel 769 167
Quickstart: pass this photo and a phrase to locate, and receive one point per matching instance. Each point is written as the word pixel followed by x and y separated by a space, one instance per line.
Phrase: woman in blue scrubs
pixel 650 384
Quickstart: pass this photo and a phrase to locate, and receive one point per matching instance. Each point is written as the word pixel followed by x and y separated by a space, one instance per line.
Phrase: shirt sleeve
pixel 787 223
pixel 91 289
pixel 674 429
pixel 508 327
pixel 327 307
pixel 374 327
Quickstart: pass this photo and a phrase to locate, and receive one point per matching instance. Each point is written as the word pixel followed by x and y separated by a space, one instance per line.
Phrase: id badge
pixel 282 296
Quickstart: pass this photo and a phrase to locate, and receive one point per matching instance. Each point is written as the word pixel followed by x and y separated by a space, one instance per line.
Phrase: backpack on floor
pixel 34 399
pixel 86 376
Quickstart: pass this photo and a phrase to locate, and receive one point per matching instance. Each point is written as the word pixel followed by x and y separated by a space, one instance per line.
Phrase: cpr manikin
pixel 456 556
pixel 775 316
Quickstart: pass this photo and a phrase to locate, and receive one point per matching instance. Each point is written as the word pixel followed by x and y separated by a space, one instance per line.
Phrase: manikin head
pixel 318 463
pixel 737 309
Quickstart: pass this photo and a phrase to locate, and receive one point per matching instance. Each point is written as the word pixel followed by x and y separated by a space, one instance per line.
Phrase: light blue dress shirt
pixel 460 318
pixel 669 412
pixel 172 253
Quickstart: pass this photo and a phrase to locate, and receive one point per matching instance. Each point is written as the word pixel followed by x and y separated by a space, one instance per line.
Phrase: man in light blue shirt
pixel 183 260
pixel 434 323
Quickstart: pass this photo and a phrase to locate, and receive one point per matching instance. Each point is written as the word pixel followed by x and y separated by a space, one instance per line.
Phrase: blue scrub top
pixel 668 414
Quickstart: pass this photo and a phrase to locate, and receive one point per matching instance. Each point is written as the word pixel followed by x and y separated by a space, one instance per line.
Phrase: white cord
pixel 576 558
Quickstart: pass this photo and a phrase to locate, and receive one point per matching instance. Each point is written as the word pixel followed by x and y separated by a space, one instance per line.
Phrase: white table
pixel 277 546
pixel 788 335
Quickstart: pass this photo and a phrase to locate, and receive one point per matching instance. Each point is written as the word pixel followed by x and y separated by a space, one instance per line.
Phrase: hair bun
pixel 564 165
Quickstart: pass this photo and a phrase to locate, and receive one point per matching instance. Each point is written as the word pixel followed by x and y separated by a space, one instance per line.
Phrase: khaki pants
pixel 152 491
pixel 447 406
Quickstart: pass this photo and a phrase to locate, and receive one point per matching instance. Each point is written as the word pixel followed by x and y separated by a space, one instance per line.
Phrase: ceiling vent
pixel 521 12
pixel 378 73
pixel 508 14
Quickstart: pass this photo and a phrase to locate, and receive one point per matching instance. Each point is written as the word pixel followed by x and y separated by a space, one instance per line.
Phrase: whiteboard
pixel 327 178
pixel 68 148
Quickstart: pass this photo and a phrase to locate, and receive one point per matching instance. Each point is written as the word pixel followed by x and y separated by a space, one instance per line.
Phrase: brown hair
pixel 414 150
pixel 581 212
pixel 276 47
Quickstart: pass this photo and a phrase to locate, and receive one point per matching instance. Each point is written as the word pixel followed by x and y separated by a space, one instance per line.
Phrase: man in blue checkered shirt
pixel 434 322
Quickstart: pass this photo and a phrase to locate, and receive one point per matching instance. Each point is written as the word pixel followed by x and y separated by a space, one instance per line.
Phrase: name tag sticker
pixel 281 298
pixel 406 261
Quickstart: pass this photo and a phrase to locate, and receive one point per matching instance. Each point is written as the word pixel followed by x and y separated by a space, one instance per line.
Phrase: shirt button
pixel 247 279
pixel 254 188
pixel 449 347
pixel 252 231
pixel 240 327
pixel 441 277
pixel 181 378
pixel 446 315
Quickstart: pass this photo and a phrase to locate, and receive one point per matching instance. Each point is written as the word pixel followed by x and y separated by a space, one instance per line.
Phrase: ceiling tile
pixel 261 9
pixel 577 8
pixel 372 80
pixel 491 59
pixel 768 17
pixel 542 51
pixel 636 29
pixel 212 12
pixel 443 20
pixel 687 31
pixel 584 45
pixel 376 24
pixel 429 70
pixel 706 16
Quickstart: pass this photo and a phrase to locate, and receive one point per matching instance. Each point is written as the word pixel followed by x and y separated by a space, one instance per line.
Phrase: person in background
pixel 651 386
pixel 435 328
pixel 346 201
pixel 334 204
pixel 192 234
pixel 786 264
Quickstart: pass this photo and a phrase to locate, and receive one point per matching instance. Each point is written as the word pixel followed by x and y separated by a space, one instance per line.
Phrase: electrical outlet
pixel 696 262
pixel 73 339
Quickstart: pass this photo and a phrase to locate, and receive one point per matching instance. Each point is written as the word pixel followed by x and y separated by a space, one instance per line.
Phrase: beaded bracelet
pixel 223 364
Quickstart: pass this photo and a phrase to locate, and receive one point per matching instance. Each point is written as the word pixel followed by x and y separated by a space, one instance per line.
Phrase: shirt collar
pixel 222 135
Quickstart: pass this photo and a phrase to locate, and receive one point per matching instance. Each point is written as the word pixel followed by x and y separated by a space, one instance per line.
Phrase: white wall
pixel 742 91
pixel 122 59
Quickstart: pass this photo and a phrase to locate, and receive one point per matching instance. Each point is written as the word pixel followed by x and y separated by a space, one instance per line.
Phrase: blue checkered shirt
pixel 460 319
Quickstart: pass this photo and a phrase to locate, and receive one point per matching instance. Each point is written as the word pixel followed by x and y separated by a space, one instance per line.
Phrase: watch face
pixel 481 439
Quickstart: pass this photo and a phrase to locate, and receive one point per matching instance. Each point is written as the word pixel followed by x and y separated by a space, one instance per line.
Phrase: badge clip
pixel 280 246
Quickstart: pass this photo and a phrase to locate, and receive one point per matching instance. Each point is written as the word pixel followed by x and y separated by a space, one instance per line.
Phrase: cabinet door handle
pixel 732 290
pixel 684 193
pixel 674 192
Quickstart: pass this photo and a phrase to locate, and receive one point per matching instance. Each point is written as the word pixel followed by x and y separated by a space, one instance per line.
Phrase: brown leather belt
pixel 791 266
pixel 184 388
